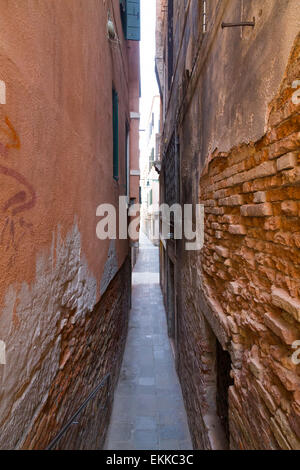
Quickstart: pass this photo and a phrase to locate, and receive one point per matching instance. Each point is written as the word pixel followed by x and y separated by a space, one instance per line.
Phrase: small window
pixel 115 103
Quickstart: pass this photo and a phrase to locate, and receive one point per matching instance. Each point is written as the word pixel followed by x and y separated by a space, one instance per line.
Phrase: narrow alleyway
pixel 148 412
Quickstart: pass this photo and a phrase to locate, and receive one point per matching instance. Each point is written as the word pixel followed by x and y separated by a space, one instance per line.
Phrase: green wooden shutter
pixel 115 101
pixel 133 20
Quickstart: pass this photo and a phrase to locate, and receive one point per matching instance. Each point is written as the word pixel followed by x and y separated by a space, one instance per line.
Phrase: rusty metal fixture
pixel 242 23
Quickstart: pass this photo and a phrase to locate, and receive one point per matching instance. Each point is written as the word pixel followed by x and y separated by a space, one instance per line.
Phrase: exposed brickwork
pixel 99 350
pixel 251 275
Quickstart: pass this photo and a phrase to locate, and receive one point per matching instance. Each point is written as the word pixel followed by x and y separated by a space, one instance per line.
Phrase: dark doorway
pixel 224 381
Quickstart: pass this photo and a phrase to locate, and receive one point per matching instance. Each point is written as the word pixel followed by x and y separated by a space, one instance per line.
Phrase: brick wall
pixel 250 273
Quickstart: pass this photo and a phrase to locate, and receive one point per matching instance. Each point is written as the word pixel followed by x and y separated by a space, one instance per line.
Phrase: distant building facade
pixel 230 141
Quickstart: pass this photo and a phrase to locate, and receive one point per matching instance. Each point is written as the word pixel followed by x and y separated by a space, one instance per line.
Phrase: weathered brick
pixel 214 210
pixel 261 171
pixel 272 223
pixel 279 435
pixel 291 176
pixel 237 230
pixel 231 170
pixel 286 145
pixel 260 197
pixel 231 219
pixel 262 184
pixel 257 210
pixel 292 439
pixel 281 328
pixel 256 367
pixel 287 162
pixel 294 422
pixel 209 203
pixel 221 193
pixel 236 200
pixel 289 208
pixel 268 168
pixel 265 395
pixel 232 325
pixel 240 153
pixel 283 300
pixel 222 251
pixel 236 353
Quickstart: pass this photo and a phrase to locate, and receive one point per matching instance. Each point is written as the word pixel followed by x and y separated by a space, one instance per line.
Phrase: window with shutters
pixel 131 19
pixel 115 113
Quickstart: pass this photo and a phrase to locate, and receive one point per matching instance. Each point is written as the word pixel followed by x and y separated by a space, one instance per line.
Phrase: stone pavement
pixel 148 411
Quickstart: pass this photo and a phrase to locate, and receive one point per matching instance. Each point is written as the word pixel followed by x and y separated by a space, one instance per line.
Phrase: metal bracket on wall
pixel 242 23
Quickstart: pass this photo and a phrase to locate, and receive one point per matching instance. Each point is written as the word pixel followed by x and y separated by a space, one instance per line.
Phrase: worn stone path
pixel 148 411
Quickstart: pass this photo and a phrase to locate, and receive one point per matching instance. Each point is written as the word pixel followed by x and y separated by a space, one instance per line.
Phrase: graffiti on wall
pixel 17 195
